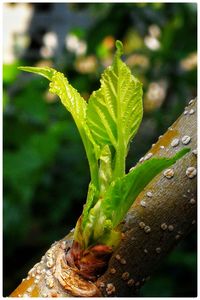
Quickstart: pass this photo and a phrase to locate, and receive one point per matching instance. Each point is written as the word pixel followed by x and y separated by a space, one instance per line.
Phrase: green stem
pixel 93 163
pixel 120 162
pixel 121 149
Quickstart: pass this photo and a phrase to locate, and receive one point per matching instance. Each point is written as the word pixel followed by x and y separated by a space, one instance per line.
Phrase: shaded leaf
pixel 122 193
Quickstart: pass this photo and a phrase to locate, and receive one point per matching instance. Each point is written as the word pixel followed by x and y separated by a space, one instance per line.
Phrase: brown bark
pixel 162 215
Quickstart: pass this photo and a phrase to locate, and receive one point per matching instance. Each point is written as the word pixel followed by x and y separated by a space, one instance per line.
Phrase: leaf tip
pixel 186 150
pixel 181 153
pixel 43 71
pixel 119 47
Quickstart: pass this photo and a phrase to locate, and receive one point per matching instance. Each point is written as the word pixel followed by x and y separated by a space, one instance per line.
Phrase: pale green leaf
pixel 107 124
pixel 77 106
pixel 115 110
pixel 105 175
pixel 69 96
pixel 45 71
pixel 123 192
pixel 91 200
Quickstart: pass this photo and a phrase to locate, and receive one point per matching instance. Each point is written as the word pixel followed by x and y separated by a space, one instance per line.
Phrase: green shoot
pixel 107 124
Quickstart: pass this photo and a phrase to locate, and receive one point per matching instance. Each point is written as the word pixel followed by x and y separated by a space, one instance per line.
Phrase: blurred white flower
pixel 138 59
pixel 154 30
pixel 155 95
pixel 75 45
pixel 14 28
pixel 152 42
pixel 50 40
pixel 86 64
pixel 156 91
pixel 71 42
pixel 190 62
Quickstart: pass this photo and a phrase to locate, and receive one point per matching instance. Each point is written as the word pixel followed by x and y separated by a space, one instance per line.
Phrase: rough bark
pixel 162 215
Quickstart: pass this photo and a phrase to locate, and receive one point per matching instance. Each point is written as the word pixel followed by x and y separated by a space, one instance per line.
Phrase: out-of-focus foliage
pixel 45 168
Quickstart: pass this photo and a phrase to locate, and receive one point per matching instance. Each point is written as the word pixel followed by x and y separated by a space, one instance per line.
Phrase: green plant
pixel 107 124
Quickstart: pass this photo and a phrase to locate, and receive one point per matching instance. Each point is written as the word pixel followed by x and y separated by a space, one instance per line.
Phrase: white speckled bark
pixel 163 214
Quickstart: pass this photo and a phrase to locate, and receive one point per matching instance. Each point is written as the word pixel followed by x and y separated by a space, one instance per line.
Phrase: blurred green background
pixel 45 169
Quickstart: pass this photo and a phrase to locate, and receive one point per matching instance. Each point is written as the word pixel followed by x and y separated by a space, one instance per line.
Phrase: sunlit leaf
pixel 107 124
pixel 115 110
pixel 76 105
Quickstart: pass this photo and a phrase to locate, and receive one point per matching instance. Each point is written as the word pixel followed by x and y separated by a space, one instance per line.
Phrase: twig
pixel 162 215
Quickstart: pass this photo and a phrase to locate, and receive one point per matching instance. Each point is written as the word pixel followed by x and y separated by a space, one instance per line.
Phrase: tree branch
pixel 162 215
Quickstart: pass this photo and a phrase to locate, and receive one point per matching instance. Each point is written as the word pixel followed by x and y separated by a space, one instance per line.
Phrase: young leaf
pixel 77 106
pixel 106 125
pixel 115 110
pixel 60 86
pixel 45 72
pixel 122 193
pixel 91 200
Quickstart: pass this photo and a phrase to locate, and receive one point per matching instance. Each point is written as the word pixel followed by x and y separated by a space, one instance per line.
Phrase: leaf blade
pixel 77 106
pixel 45 71
pixel 123 192
pixel 115 111
pixel 134 182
